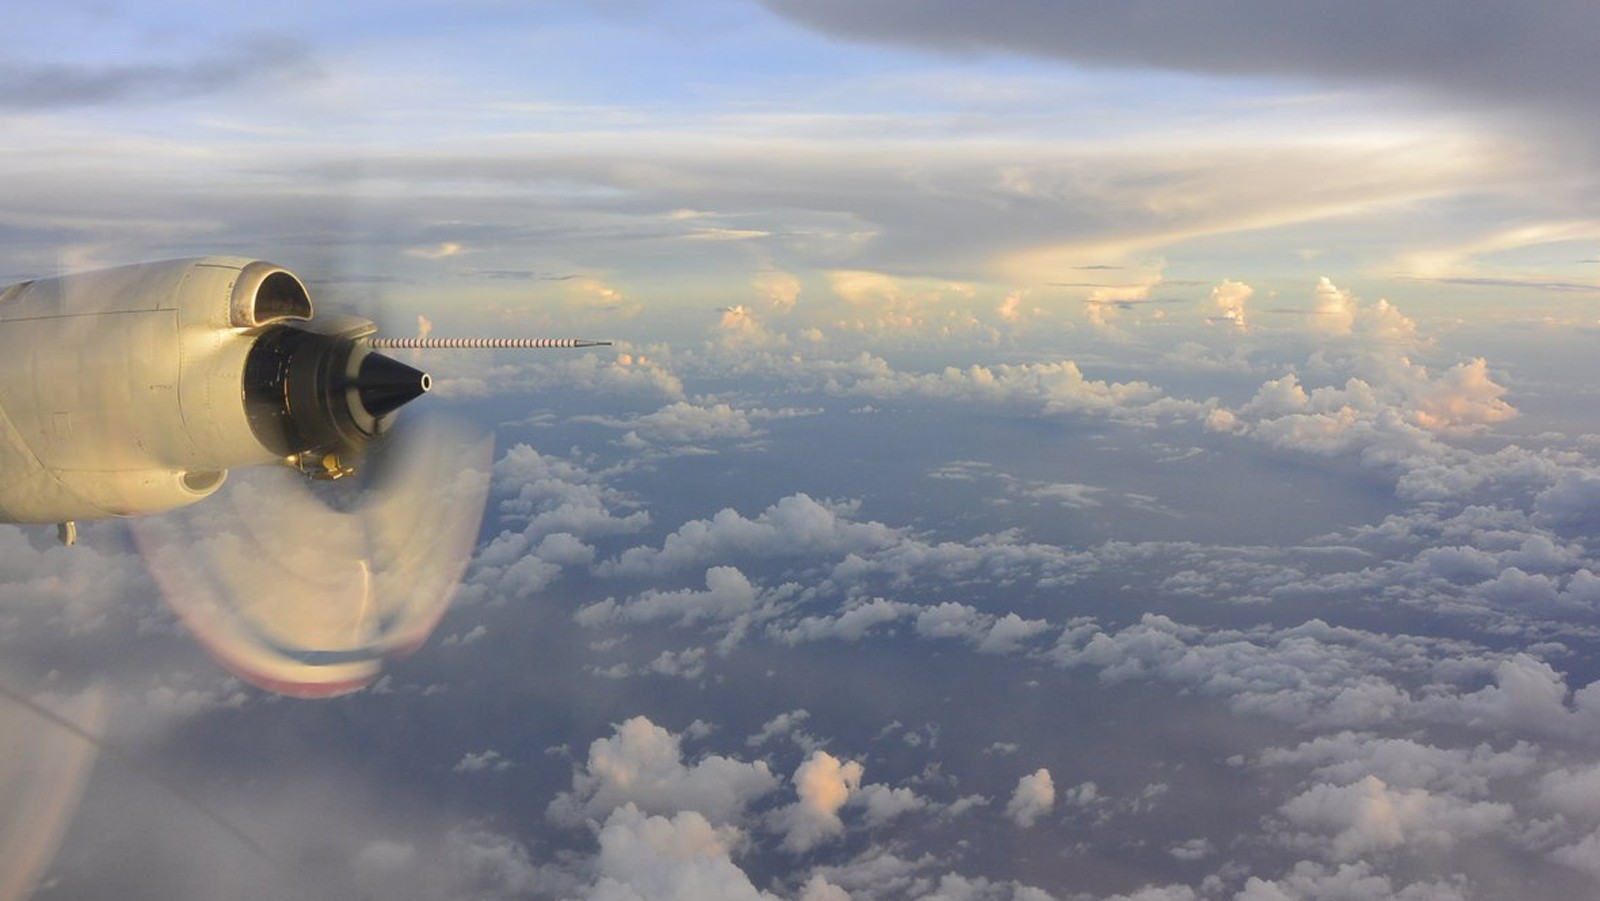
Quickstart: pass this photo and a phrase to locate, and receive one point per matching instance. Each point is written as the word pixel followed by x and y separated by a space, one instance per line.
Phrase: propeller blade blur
pixel 46 751
pixel 300 598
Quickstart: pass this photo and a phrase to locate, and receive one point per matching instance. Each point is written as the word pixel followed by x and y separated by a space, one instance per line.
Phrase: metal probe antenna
pixel 475 343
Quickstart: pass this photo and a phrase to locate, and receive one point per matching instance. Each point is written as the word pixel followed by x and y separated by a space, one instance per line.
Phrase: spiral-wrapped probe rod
pixel 479 343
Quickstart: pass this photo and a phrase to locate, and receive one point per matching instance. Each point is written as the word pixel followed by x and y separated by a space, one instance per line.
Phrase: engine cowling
pixel 133 390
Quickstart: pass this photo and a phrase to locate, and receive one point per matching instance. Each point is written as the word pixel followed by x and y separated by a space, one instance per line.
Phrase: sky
pixel 1050 450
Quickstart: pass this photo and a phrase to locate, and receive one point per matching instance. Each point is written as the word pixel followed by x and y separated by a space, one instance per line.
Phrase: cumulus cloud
pixel 1529 695
pixel 1573 502
pixel 1369 816
pixel 989 634
pixel 1058 388
pixel 738 327
pixel 482 761
pixel 1463 397
pixel 781 290
pixel 824 783
pixel 953 620
pixel 1574 792
pixel 1335 676
pixel 1034 797
pixel 883 803
pixel 797 525
pixel 1311 881
pixel 1158 893
pixel 678 858
pixel 1228 299
pixel 729 595
pixel 642 765
pixel 853 621
pixel 1010 632
pixel 1336 311
pixel 1394 417
pixel 1346 757
pixel 1333 311
pixel 1582 855
pixel 557 503
pixel 788 723
pixel 681 423
pixel 552 494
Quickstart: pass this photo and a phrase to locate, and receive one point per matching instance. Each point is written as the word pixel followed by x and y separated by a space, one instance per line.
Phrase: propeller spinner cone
pixel 326 395
pixel 385 384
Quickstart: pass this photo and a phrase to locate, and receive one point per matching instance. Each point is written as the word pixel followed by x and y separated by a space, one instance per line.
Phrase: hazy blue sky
pixel 669 151
pixel 1052 450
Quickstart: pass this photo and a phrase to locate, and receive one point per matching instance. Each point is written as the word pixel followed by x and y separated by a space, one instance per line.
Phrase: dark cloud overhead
pixel 1520 52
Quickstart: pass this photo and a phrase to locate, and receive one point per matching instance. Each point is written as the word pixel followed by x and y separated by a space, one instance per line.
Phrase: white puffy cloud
pixel 1528 695
pixel 1336 311
pixel 789 723
pixel 781 290
pixel 1322 675
pixel 1346 757
pixel 657 858
pixel 881 305
pixel 558 503
pixel 1393 414
pixel 1311 881
pixel 642 765
pixel 564 549
pixel 1084 794
pixel 1057 388
pixel 460 862
pixel 682 422
pixel 1291 674
pixel 482 761
pixel 1159 893
pixel 1573 502
pixel 818 888
pixel 1009 632
pixel 1228 300
pixel 79 591
pixel 987 633
pixel 1463 397
pixel 729 594
pixel 1582 855
pixel 559 495
pixel 1193 849
pixel 1369 816
pixel 1333 311
pixel 855 620
pixel 1034 796
pixel 884 803
pixel 795 526
pixel 824 784
pixel 952 620
pixel 1574 792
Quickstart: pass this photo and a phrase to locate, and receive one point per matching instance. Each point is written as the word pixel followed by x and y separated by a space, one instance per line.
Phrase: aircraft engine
pixel 134 390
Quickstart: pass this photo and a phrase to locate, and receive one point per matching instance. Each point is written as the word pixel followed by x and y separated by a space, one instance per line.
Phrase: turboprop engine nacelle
pixel 134 390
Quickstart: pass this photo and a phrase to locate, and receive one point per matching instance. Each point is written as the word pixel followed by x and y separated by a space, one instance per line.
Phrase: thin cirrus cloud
pixel 252 58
